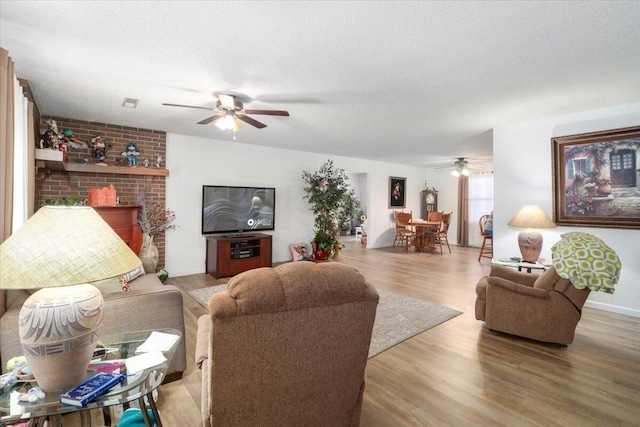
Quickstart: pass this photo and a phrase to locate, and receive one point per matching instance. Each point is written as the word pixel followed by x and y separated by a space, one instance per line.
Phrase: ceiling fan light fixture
pixel 461 171
pixel 228 123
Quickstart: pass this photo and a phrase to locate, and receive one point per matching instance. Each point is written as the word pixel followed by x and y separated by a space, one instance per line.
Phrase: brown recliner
pixel 542 307
pixel 287 346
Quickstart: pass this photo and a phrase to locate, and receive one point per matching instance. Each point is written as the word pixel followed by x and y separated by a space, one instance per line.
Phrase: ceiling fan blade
pixel 251 121
pixel 268 112
pixel 211 119
pixel 227 101
pixel 188 106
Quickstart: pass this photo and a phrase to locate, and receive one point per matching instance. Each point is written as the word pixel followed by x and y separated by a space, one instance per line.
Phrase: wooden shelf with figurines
pixel 122 170
pixel 60 165
pixel 53 149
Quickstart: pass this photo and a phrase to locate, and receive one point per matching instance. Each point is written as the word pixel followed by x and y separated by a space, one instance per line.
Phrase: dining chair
pixel 486 250
pixel 405 234
pixel 431 233
pixel 440 236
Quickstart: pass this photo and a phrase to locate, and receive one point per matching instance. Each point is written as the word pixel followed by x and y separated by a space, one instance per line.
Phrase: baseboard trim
pixel 613 308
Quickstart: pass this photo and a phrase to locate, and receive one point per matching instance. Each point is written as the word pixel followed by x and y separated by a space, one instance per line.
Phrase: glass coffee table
pixel 138 387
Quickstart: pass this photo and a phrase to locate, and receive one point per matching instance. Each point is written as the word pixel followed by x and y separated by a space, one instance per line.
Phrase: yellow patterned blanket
pixel 586 261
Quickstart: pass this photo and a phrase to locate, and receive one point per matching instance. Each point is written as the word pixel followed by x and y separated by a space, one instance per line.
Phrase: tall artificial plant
pixel 350 207
pixel 326 189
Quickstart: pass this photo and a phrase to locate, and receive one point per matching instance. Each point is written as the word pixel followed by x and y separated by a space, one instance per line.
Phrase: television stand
pixel 239 236
pixel 231 255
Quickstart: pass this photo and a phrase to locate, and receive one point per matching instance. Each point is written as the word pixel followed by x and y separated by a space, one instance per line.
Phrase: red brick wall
pixel 77 184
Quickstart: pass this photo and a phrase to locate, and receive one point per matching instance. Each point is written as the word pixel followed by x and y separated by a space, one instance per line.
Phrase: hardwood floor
pixel 459 373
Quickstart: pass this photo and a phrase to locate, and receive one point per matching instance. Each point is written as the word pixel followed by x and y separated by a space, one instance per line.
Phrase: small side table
pixel 521 265
pixel 133 388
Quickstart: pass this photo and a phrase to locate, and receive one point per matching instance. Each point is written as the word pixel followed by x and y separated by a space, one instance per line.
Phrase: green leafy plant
pixel 163 275
pixel 64 201
pixel 326 189
pixel 350 207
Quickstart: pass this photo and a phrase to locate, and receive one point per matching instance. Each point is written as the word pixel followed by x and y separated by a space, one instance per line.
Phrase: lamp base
pixel 530 242
pixel 58 333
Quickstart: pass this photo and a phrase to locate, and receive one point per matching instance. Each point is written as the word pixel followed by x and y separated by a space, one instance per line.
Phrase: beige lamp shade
pixel 530 241
pixel 531 216
pixel 58 325
pixel 61 246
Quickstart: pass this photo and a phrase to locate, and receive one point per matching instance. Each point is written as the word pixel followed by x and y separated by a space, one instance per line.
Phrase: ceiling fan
pixel 229 109
pixel 462 167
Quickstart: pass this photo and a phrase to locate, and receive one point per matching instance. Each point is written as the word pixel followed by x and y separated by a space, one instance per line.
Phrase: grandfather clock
pixel 429 201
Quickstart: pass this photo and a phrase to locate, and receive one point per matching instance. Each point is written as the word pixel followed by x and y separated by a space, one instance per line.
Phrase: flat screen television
pixel 228 209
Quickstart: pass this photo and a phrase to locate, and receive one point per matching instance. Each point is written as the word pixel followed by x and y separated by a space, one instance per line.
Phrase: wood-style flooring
pixel 459 373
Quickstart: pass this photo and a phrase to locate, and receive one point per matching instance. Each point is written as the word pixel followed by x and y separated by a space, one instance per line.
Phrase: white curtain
pixel 21 158
pixel 480 203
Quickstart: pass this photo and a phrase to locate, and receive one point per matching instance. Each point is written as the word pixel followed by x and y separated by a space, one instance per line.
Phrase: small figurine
pixel 146 163
pixel 50 138
pixel 85 161
pixel 67 137
pixel 99 150
pixel 131 153
pixel 159 161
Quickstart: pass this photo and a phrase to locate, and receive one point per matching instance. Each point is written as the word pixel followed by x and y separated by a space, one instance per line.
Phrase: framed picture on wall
pixel 397 192
pixel 596 179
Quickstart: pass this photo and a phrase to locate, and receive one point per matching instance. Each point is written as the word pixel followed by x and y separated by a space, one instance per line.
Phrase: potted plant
pixel 324 246
pixel 345 223
pixel 153 219
pixel 604 187
pixel 350 207
pixel 591 188
pixel 326 189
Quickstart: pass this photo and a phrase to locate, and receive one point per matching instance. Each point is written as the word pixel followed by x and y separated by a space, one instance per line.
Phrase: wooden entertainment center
pixel 230 255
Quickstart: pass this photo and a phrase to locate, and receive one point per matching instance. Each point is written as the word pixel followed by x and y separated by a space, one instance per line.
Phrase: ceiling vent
pixel 130 102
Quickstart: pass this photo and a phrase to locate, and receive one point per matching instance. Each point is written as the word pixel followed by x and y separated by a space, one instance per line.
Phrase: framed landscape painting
pixel 596 179
pixel 397 189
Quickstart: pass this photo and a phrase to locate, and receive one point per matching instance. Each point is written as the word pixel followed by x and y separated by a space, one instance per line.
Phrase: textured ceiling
pixel 409 82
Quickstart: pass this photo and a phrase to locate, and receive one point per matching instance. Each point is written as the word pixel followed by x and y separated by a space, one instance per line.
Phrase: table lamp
pixel 61 249
pixel 530 240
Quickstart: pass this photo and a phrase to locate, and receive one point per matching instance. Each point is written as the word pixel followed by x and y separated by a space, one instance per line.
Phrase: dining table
pixel 423 228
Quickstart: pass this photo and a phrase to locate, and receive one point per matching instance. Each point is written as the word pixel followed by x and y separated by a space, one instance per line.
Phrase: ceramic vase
pixel 148 254
pixel 604 189
pixel 58 333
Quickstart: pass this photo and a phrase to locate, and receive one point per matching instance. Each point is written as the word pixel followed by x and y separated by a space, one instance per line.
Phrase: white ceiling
pixel 416 83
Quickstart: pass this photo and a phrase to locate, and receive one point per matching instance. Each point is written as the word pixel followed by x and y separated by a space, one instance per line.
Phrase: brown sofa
pixel 149 305
pixel 542 307
pixel 287 346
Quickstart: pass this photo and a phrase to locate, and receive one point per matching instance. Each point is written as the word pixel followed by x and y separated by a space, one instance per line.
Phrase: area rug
pixel 398 317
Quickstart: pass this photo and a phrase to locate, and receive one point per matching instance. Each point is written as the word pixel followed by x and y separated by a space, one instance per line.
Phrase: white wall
pixel 194 162
pixel 522 176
